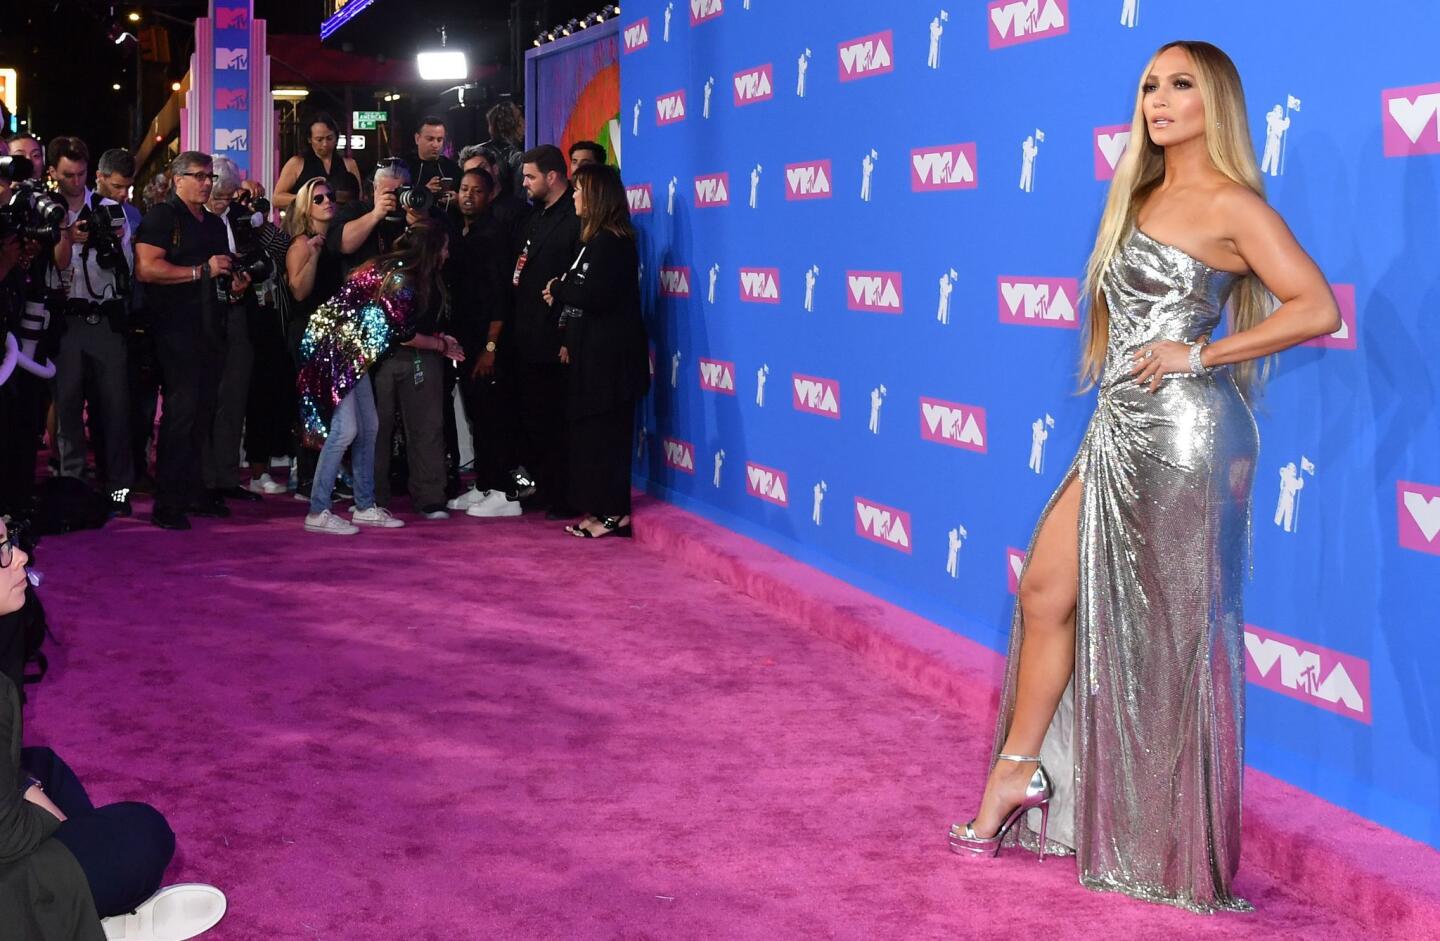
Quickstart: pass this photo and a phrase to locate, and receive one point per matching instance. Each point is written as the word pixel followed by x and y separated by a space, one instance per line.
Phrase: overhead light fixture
pixel 116 86
pixel 442 65
pixel 134 17
pixel 174 86
pixel 291 93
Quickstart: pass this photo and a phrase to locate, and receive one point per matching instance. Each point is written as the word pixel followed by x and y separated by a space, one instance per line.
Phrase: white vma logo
pixel 882 524
pixel 816 396
pixel 1414 116
pixel 1292 481
pixel 874 291
pixel 1425 512
pixel 760 285
pixel 1037 301
pixel 716 375
pixel 1026 18
pixel 678 455
pixel 807 180
pixel 867 55
pixel 1300 670
pixel 952 424
pixel 767 483
pixel 1112 146
pixel 943 167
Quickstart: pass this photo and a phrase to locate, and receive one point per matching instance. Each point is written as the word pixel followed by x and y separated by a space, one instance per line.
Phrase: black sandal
pixel 575 529
pixel 612 528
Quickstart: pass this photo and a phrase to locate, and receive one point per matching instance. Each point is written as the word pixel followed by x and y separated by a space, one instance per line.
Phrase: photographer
pixel 361 230
pixel 92 273
pixel 270 413
pixel 429 167
pixel 221 470
pixel 179 251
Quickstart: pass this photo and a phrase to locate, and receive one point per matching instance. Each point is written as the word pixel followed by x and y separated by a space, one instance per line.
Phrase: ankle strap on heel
pixel 1018 757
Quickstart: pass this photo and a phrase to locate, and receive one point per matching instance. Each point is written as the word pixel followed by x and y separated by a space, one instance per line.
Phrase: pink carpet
pixel 486 729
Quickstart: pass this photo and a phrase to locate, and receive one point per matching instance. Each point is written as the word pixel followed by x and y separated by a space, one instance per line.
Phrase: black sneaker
pixel 167 518
pixel 522 484
pixel 240 493
pixel 120 502
pixel 211 505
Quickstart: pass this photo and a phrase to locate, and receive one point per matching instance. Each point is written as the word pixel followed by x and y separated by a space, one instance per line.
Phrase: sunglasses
pixel 320 198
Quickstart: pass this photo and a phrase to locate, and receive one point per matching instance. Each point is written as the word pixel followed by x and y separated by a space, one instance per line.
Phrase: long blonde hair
pixel 297 220
pixel 1142 168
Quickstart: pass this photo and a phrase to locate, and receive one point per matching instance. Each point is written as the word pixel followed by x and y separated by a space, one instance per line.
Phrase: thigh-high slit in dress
pixel 1146 749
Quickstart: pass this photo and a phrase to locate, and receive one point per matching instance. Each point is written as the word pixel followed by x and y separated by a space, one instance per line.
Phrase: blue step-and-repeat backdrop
pixel 863 228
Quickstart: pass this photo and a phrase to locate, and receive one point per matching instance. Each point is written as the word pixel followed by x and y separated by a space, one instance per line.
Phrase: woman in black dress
pixel 605 347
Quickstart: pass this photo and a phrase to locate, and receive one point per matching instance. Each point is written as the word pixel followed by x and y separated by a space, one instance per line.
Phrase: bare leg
pixel 1048 593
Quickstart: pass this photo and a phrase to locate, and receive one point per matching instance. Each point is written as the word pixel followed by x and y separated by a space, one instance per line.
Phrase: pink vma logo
pixel 713 190
pixel 1039 302
pixel 1333 681
pixel 816 396
pixel 1017 21
pixel 679 455
pixel 808 180
pixel 717 376
pixel 1346 337
pixel 1418 506
pixel 1110 144
pixel 883 524
pixel 675 282
pixel 641 198
pixel 1411 117
pixel 760 285
pixel 670 109
pixel 960 426
pixel 1014 563
pixel 875 291
pixel 637 34
pixel 951 167
pixel 767 483
pixel 754 85
pixel 867 56
pixel 702 11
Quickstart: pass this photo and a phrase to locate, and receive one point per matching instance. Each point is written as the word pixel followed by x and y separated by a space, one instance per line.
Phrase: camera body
pixel 32 214
pixel 106 225
pixel 249 257
pixel 410 198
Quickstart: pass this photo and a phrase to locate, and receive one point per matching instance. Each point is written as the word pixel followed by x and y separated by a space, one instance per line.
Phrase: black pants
pixel 144 370
pixel 270 415
pixel 600 451
pixel 221 467
pixel 490 409
pixel 96 352
pixel 421 415
pixel 23 399
pixel 541 388
pixel 191 363
pixel 122 848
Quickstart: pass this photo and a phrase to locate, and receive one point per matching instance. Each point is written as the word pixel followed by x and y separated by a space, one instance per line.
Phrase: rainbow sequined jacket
pixel 346 336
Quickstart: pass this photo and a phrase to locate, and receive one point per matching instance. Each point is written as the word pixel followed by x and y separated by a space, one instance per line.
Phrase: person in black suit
pixel 605 351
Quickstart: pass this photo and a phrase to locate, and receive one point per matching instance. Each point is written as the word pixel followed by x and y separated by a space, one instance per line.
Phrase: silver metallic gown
pixel 1147 747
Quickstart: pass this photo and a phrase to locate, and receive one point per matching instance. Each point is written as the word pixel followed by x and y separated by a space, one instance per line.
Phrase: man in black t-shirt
pixel 549 244
pixel 429 165
pixel 179 250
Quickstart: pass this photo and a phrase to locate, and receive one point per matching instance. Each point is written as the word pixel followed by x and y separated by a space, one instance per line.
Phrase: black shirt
pixel 478 275
pixel 187 242
pixel 549 243
pixel 422 171
pixel 380 240
pixel 609 355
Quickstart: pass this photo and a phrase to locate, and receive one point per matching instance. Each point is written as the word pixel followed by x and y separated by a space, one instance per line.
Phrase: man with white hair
pixel 367 229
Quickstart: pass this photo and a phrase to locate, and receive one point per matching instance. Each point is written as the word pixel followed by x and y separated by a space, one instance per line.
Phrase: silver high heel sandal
pixel 1037 796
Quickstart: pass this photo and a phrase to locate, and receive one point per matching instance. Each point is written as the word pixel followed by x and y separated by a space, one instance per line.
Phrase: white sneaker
pixel 265 484
pixel 174 913
pixel 435 515
pixel 327 522
pixel 375 516
pixel 467 499
pixel 495 504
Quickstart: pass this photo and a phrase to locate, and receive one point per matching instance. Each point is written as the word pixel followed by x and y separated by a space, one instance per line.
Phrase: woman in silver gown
pixel 1121 729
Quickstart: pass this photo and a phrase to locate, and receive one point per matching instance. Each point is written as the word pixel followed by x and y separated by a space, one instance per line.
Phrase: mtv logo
pixel 960 426
pixel 232 99
pixel 679 455
pixel 760 285
pixel 808 180
pixel 670 109
pixel 1327 679
pixel 757 84
pixel 876 291
pixel 637 34
pixel 712 190
pixel 1418 509
pixel 816 396
pixel 767 483
pixel 1039 302
pixel 702 11
pixel 1014 564
pixel 232 18
pixel 1346 338
pixel 1411 120
pixel 1017 21
pixel 1110 144
pixel 675 282
pixel 879 523
pixel 717 376
pixel 237 138
pixel 951 167
pixel 641 198
pixel 238 59
pixel 867 56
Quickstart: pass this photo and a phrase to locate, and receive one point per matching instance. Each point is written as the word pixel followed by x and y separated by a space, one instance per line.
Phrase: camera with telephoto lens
pixel 415 198
pixel 249 257
pixel 31 212
pixel 106 225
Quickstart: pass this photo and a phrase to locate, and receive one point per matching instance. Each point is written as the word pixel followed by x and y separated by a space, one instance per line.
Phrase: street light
pixel 134 17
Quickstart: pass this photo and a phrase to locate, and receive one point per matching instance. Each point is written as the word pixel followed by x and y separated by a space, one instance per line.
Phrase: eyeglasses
pixel 202 176
pixel 8 545
pixel 319 198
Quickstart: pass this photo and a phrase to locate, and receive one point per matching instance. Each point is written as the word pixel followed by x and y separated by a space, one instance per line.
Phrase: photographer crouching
pixel 92 276
pixel 181 253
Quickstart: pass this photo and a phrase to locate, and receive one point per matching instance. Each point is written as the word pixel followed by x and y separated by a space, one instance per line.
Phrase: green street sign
pixel 366 120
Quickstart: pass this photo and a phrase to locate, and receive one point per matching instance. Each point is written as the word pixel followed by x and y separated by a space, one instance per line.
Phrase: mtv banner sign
pixel 230 77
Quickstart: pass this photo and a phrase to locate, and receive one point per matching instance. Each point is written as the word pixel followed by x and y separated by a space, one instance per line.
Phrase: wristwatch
pixel 489 346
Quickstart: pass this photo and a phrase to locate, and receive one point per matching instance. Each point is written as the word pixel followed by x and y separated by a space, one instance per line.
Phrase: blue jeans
pixel 354 422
